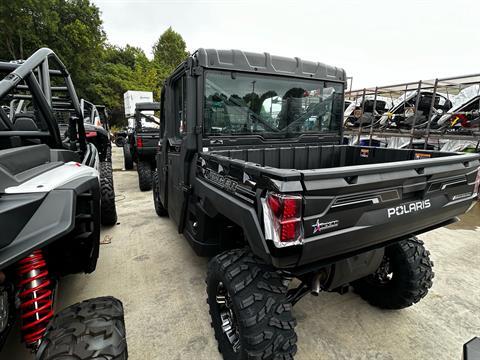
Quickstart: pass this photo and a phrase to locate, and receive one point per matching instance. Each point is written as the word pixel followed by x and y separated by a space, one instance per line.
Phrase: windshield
pixel 145 124
pixel 237 103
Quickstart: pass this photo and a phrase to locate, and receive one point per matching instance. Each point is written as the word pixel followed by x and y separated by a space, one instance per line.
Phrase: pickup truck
pixel 251 169
pixel 142 143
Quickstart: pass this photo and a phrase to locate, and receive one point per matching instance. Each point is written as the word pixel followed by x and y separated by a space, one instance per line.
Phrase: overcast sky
pixel 376 42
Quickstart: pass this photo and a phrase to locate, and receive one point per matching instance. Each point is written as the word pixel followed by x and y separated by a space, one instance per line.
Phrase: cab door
pixel 176 149
pixel 161 156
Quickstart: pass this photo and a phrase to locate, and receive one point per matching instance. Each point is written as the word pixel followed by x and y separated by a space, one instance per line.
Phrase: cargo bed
pixel 354 198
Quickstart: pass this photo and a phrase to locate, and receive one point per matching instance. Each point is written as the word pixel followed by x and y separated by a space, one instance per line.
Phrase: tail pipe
pixel 36 304
pixel 317 281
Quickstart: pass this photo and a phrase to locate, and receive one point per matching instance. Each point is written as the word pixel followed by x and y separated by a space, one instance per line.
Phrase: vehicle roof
pixel 267 64
pixel 465 96
pixel 140 106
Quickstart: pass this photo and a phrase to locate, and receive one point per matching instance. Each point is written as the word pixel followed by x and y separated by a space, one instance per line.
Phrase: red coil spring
pixel 36 305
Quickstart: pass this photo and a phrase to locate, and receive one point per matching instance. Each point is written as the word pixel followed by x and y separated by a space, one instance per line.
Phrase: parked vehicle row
pixel 418 110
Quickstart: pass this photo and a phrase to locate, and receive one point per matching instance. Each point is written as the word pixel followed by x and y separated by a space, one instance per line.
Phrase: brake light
pixel 139 142
pixel 90 134
pixel 283 219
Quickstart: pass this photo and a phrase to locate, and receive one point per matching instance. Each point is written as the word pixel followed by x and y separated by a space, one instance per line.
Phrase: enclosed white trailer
pixel 132 97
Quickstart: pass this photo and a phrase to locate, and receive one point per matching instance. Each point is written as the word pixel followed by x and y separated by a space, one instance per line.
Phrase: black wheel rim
pixel 229 325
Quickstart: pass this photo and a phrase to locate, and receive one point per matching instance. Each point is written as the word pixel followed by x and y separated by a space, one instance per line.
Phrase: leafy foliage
pixel 168 52
pixel 73 29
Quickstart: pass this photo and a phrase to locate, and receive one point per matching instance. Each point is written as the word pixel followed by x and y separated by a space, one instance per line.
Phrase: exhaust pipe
pixel 317 283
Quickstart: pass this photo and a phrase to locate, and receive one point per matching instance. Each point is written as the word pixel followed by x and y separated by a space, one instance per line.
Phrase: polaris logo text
pixel 408 208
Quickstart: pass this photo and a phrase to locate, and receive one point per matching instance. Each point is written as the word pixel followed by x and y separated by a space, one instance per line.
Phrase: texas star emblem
pixel 318 226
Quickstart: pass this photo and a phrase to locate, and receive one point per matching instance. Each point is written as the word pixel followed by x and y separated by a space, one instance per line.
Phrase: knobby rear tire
pixel 263 314
pixel 127 157
pixel 144 170
pixel 412 275
pixel 108 210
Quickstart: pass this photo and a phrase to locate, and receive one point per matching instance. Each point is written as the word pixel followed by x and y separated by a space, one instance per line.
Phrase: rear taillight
pixel 90 134
pixel 139 142
pixel 283 219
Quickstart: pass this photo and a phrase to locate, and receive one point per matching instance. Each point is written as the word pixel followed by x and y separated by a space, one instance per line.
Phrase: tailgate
pixel 352 208
pixel 149 142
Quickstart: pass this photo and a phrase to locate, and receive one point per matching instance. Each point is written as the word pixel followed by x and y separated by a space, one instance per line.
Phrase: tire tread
pixel 259 293
pixel 90 330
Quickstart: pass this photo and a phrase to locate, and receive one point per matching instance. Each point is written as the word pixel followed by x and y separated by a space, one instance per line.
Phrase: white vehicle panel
pixel 53 179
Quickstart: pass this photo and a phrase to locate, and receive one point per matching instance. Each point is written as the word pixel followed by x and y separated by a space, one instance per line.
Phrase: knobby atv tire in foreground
pixel 92 329
pixel 403 278
pixel 108 209
pixel 251 316
pixel 159 208
pixel 109 154
pixel 127 157
pixel 144 170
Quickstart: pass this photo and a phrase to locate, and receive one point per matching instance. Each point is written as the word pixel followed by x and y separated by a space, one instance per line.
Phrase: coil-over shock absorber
pixel 36 305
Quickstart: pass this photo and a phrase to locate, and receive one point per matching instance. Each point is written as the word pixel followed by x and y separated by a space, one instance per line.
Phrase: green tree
pixel 71 28
pixel 168 52
pixel 25 27
pixel 123 69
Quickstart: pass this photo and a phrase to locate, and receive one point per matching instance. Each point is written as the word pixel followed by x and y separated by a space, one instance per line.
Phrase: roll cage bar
pixel 34 75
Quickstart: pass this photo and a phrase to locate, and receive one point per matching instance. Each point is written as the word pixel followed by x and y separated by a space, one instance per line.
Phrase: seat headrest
pixel 25 124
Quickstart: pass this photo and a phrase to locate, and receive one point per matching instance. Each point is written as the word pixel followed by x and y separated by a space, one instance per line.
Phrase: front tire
pixel 251 316
pixel 403 278
pixel 90 330
pixel 108 210
pixel 144 170
pixel 127 157
pixel 119 141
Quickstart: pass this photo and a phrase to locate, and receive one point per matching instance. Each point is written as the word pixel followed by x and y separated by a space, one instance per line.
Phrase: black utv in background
pixel 251 169
pixel 97 131
pixel 97 134
pixel 50 214
pixel 142 143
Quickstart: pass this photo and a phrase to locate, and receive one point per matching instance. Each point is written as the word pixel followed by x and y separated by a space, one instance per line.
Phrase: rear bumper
pixel 372 230
pixel 147 152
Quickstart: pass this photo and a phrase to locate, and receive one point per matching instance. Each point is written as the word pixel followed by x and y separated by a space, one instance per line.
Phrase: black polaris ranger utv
pixel 142 143
pixel 50 201
pixel 251 169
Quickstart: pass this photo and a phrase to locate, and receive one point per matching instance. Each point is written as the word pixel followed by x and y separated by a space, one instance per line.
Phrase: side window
pixel 180 92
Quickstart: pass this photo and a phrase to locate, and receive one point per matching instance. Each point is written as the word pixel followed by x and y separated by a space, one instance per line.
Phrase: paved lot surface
pixel 154 272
